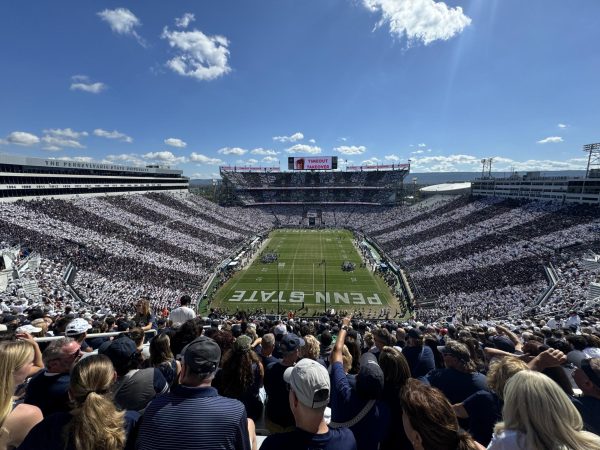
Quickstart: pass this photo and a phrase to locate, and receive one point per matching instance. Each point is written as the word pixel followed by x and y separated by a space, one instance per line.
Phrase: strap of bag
pixel 360 416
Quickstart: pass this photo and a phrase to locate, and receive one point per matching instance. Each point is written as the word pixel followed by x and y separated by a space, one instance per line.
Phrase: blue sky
pixel 197 84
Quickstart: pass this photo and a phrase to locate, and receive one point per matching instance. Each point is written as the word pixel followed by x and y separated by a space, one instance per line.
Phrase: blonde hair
pixel 500 372
pixel 346 359
pixel 311 347
pixel 13 355
pixel 537 407
pixel 96 424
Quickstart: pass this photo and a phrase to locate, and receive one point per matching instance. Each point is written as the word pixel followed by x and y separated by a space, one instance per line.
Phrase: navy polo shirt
pixel 194 418
pixel 49 392
pixel 334 439
pixel 589 408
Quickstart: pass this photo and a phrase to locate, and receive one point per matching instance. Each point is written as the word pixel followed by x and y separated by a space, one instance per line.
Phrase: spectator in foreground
pixel 183 313
pixel 204 419
pixel 587 378
pixel 358 408
pixel 241 376
pixel 161 358
pixel 539 415
pixel 16 360
pixel 459 379
pixel 279 417
pixel 484 408
pixel 429 422
pixel 419 357
pixel 395 373
pixel 94 423
pixel 48 389
pixel 144 317
pixel 308 397
pixel 134 387
pixel 266 350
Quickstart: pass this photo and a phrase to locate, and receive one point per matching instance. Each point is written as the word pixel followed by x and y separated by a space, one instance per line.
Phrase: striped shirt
pixel 194 419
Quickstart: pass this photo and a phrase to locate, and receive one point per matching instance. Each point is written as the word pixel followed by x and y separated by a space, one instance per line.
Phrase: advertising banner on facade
pixel 312 163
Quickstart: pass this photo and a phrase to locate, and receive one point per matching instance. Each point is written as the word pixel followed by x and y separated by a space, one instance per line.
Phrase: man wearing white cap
pixel 77 329
pixel 309 389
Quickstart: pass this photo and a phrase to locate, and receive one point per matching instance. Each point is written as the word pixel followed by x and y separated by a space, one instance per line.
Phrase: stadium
pixel 335 225
pixel 298 249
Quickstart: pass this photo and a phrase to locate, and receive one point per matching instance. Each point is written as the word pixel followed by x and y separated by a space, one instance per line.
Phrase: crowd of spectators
pixel 331 382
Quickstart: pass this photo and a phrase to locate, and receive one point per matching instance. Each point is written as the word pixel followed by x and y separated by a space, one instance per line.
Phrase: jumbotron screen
pixel 312 162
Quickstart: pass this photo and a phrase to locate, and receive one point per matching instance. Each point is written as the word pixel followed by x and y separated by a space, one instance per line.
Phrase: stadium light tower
pixel 593 151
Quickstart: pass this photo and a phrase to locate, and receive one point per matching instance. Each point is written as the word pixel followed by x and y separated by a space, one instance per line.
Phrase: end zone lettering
pixel 335 298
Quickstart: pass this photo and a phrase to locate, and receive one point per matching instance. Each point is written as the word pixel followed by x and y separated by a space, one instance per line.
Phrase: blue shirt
pixel 456 385
pixel 49 433
pixel 49 392
pixel 420 360
pixel 485 410
pixel 589 408
pixel 346 404
pixel 194 418
pixel 334 439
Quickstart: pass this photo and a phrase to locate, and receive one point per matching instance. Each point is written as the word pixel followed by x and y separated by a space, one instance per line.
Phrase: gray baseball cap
pixel 310 382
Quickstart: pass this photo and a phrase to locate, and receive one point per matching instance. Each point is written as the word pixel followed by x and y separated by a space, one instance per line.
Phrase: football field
pixel 307 272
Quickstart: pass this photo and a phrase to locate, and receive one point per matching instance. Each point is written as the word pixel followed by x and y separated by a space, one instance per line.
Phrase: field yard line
pixel 293 263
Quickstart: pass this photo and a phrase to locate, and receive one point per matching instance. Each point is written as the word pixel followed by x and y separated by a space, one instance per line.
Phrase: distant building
pixel 532 186
pixel 29 178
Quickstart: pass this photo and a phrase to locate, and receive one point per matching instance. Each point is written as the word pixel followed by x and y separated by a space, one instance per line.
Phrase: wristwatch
pixel 345 327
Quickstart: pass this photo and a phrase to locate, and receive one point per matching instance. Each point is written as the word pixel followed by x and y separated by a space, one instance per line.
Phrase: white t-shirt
pixel 182 314
pixel 507 440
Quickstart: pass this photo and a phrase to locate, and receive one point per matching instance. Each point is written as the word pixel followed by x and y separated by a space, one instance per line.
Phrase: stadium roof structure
pixel 447 188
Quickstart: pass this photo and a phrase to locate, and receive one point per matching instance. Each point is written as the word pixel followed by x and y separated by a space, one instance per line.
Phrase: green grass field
pixel 303 278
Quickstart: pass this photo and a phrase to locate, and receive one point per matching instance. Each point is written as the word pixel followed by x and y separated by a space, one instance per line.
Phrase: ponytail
pixel 97 425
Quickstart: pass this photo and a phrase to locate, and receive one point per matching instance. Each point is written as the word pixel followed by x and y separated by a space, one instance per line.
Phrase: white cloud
pixel 232 151
pixel 262 151
pixel 83 83
pixel 269 159
pixel 203 159
pixel 199 56
pixel 112 135
pixel 371 161
pixel 423 21
pixel 54 142
pixel 165 157
pixel 185 20
pixel 205 175
pixel 343 139
pixel 470 163
pixel 391 158
pixel 293 138
pixel 174 142
pixel 252 161
pixel 351 149
pixel 422 145
pixel 417 152
pixel 303 148
pixel 312 141
pixel 22 138
pixel 127 158
pixel 74 158
pixel 66 133
pixel 562 125
pixel 122 21
pixel 550 140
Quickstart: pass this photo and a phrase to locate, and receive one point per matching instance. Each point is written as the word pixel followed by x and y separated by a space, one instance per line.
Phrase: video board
pixel 312 162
